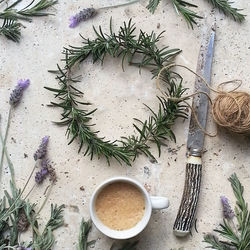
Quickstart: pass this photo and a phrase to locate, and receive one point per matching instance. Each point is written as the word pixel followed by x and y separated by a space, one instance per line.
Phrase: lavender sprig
pixel 42 150
pixel 88 13
pixel 232 236
pixel 83 15
pixel 17 93
pixel 228 213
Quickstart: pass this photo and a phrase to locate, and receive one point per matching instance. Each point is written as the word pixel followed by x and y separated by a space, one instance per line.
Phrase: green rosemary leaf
pixel 11 30
pixel 226 7
pixel 13 5
pixel 56 217
pixel 189 15
pixel 238 192
pixel 85 228
pixel 54 90
pixel 214 243
pixel 227 232
pixel 37 9
pixel 152 5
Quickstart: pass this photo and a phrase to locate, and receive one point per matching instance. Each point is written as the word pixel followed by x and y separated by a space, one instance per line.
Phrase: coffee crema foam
pixel 120 206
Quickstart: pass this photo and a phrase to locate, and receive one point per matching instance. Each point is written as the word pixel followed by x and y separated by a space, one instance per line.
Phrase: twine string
pixel 228 109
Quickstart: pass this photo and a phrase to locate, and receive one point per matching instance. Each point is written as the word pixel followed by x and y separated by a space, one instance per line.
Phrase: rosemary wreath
pixel 141 51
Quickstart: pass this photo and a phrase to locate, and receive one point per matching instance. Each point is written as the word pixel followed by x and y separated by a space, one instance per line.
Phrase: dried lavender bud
pixel 83 15
pixel 39 177
pixel 48 169
pixel 52 174
pixel 45 163
pixel 17 93
pixel 227 210
pixel 42 150
pixel 44 171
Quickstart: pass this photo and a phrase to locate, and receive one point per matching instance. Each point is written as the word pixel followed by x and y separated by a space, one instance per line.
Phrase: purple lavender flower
pixel 45 163
pixel 83 15
pixel 42 150
pixel 17 93
pixel 227 210
pixel 41 175
pixel 48 169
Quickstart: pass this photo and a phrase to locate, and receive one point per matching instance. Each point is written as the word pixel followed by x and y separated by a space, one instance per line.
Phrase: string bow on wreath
pixel 141 51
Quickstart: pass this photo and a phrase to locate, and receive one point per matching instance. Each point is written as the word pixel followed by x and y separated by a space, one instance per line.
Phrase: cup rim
pixel 123 234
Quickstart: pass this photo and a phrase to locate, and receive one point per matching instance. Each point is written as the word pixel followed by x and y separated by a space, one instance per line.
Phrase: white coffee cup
pixel 151 202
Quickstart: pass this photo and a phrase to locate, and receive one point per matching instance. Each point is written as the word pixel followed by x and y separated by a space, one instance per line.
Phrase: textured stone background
pixel 119 97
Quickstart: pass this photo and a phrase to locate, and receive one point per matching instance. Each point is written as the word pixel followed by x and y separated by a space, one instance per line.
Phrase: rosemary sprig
pixel 11 27
pixel 46 239
pixel 83 242
pixel 152 5
pixel 190 16
pixel 236 237
pixel 11 30
pixel 27 12
pixel 226 7
pixel 183 8
pixel 142 52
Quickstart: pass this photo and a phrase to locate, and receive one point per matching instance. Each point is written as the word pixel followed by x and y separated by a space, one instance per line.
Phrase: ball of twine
pixel 232 111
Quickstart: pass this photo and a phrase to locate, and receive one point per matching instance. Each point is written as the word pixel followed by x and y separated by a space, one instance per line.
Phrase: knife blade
pixel 187 210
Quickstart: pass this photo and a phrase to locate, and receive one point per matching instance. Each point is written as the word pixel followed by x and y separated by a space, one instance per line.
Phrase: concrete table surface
pixel 119 97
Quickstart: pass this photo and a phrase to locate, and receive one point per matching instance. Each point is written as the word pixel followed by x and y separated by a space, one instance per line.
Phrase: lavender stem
pixel 30 191
pixel 4 151
pixel 46 198
pixel 3 140
pixel 119 5
pixel 13 204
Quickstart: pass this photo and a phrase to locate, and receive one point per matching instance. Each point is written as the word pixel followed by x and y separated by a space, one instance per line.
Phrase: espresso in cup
pixel 120 206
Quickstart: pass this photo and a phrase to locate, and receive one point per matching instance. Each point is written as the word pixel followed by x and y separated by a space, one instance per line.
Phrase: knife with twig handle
pixel 187 209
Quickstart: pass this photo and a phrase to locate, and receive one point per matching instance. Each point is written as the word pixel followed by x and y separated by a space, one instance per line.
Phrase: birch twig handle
pixel 187 210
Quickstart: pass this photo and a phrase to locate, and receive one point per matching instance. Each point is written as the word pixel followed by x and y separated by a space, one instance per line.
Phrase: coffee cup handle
pixel 159 202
